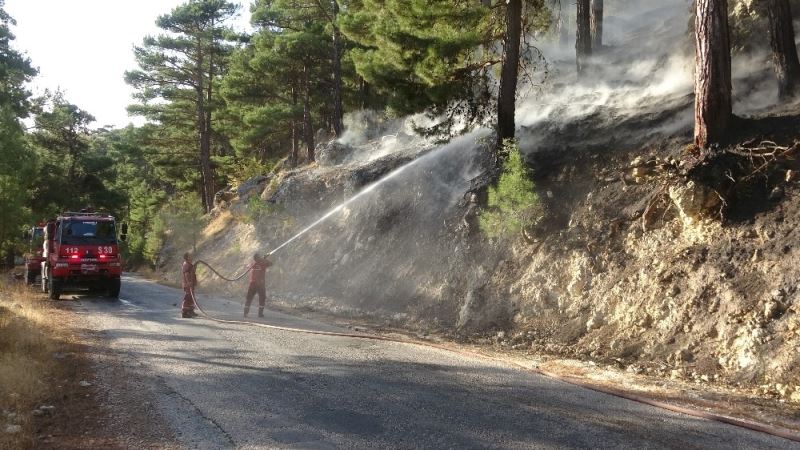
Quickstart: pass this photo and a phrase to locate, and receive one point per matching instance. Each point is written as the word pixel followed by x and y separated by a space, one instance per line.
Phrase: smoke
pixel 644 69
pixel 373 135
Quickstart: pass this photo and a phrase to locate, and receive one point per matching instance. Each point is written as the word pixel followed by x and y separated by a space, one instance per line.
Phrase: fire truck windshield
pixel 78 232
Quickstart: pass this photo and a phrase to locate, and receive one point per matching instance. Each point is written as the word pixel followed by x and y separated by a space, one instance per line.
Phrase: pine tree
pixel 280 85
pixel 180 69
pixel 16 160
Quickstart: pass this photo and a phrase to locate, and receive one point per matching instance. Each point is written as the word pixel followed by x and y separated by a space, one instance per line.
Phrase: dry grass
pixel 29 337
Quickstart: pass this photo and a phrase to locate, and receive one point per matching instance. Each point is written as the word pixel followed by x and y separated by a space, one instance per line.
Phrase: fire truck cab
pixel 81 253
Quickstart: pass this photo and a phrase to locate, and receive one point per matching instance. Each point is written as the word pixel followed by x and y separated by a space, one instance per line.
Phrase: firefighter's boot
pixel 260 312
pixel 246 311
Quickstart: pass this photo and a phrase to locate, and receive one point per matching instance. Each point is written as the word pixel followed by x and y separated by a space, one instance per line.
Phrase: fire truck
pixel 81 253
pixel 34 258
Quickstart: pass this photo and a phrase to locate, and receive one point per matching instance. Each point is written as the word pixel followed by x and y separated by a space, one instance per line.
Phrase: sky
pixel 84 47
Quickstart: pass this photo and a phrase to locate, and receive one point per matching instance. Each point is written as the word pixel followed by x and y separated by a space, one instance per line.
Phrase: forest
pixel 222 106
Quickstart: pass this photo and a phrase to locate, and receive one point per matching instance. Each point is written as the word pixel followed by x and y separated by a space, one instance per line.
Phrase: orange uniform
pixel 258 274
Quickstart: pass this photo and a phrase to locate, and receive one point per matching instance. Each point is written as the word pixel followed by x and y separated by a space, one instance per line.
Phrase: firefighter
pixel 189 282
pixel 258 272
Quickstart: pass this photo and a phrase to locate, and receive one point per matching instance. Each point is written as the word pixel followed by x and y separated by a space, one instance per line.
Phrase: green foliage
pixel 177 86
pixel 257 209
pixel 279 86
pixel 434 55
pixel 513 203
pixel 244 168
pixel 17 162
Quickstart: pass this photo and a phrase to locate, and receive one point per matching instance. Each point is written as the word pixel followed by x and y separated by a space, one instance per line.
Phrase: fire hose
pixel 694 412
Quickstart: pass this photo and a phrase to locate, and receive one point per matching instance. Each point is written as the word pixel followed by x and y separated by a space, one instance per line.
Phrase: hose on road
pixel 694 412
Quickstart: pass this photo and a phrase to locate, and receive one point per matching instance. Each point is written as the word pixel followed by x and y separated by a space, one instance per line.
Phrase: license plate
pixel 89 267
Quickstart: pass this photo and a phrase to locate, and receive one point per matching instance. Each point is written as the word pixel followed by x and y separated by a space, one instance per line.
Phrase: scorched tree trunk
pixel 784 50
pixel 506 101
pixel 583 36
pixel 712 82
pixel 596 23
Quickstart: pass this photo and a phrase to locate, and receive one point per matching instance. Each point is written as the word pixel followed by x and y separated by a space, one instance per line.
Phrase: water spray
pixel 333 211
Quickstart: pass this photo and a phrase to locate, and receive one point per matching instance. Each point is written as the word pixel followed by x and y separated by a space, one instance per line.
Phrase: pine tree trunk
pixel 295 138
pixel 784 50
pixel 308 126
pixel 507 98
pixel 583 36
pixel 596 24
pixel 338 111
pixel 364 92
pixel 206 175
pixel 210 188
pixel 712 84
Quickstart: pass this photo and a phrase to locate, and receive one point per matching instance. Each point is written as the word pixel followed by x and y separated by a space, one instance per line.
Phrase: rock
pixel 791 175
pixel 594 322
pixel 84 383
pixel 694 201
pixel 683 356
pixel 773 310
pixel 249 185
pixel 13 429
pixel 501 335
pixel 333 153
pixel 224 197
pixel 673 291
pixel 776 193
pixel 795 396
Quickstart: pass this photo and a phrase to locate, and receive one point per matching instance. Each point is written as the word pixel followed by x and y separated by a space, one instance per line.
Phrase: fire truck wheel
pixel 54 288
pixel 113 288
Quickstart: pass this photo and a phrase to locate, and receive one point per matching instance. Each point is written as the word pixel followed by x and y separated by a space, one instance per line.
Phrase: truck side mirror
pixel 123 234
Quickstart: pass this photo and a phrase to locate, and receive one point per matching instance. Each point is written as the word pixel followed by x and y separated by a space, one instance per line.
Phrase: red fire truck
pixel 34 258
pixel 81 253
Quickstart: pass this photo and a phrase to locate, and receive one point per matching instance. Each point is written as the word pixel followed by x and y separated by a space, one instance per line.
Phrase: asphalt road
pixel 226 385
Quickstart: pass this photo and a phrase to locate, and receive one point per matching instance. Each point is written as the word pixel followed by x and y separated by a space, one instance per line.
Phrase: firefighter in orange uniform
pixel 258 273
pixel 189 282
